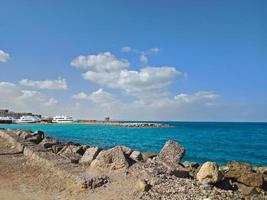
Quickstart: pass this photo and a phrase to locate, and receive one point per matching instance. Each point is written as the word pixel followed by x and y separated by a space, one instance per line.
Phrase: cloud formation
pixel 59 84
pixel 205 96
pixel 143 94
pixel 108 71
pixel 100 97
pixel 12 96
pixel 4 57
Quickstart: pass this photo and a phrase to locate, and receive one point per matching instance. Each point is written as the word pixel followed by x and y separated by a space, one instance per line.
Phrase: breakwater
pixel 91 167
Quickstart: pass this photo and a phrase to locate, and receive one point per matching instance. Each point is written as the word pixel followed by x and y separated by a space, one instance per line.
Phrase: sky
pixel 181 60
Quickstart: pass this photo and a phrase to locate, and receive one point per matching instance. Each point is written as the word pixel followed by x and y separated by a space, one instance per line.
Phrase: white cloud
pixel 51 102
pixel 4 57
pixel 114 74
pixel 102 62
pixel 126 49
pixel 100 97
pixel 154 50
pixel 12 96
pixel 196 97
pixel 59 84
pixel 145 93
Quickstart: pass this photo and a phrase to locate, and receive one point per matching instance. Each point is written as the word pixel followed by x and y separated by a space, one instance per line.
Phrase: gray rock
pixel 89 155
pixel 112 159
pixel 136 156
pixel 172 152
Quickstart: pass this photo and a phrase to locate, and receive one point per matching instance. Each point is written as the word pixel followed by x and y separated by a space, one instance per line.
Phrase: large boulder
pixel 136 156
pixel 89 155
pixel 243 173
pixel 209 173
pixel 171 153
pixel 236 169
pixel 112 159
pixel 24 134
pixel 126 150
pixel 48 142
pixel 35 137
pixel 72 152
pixel 71 148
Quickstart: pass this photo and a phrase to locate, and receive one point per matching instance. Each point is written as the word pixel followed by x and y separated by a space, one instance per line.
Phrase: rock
pixel 245 190
pixel 251 179
pixel 89 155
pixel 142 186
pixel 158 168
pixel 236 169
pixel 190 165
pixel 172 152
pixel 209 173
pixel 48 142
pixel 56 148
pixel 71 148
pixel 25 134
pixel 126 150
pixel 261 170
pixel 136 156
pixel 97 182
pixel 112 159
pixel 35 139
pixel 243 173
pixel 147 155
pixel 72 152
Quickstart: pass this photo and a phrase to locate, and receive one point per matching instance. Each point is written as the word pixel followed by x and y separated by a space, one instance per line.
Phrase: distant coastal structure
pixel 16 115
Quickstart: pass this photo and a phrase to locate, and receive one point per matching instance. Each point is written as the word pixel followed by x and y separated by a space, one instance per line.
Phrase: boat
pixel 7 120
pixel 28 119
pixel 62 119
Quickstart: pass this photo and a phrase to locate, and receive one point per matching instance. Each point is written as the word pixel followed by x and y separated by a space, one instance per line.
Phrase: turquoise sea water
pixel 203 141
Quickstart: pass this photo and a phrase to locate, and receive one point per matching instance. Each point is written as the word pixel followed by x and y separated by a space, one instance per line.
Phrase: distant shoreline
pixel 111 123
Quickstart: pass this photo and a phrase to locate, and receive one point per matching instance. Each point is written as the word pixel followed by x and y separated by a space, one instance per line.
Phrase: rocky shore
pixel 130 174
pixel 126 124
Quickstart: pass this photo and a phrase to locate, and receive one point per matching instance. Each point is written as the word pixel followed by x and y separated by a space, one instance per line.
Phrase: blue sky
pixel 210 62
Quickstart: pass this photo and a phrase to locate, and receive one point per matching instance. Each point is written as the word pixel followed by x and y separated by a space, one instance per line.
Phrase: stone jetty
pixel 127 124
pixel 149 175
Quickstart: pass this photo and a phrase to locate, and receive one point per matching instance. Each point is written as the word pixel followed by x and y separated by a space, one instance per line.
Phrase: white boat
pixel 61 119
pixel 28 119
pixel 7 120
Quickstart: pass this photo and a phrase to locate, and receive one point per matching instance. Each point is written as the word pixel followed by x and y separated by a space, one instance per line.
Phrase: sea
pixel 204 141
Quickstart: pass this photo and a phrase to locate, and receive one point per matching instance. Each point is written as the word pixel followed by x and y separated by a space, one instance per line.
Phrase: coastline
pixel 104 123
pixel 39 149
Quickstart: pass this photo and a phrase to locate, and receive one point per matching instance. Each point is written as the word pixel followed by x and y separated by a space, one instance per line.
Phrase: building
pixel 3 112
pixel 6 112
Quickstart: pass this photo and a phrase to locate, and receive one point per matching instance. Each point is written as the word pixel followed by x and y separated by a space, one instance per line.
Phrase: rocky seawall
pixel 154 176
pixel 127 124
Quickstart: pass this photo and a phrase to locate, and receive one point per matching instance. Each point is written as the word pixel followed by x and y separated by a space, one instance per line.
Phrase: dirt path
pixel 22 180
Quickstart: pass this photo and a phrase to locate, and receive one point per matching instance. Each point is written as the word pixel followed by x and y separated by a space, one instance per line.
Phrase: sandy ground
pixel 22 180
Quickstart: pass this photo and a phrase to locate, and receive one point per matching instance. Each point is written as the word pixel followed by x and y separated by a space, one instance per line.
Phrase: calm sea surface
pixel 203 141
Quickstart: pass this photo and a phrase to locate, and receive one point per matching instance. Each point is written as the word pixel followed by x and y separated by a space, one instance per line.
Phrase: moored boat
pixel 28 119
